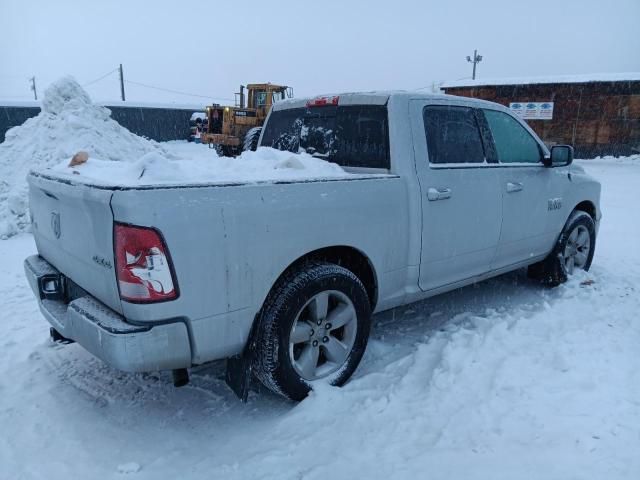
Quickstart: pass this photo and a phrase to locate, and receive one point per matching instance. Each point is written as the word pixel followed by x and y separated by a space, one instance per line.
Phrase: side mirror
pixel 561 156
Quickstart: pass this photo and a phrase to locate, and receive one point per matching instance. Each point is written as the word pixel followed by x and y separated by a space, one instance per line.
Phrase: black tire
pixel 229 151
pixel 552 270
pixel 218 148
pixel 251 139
pixel 224 150
pixel 272 362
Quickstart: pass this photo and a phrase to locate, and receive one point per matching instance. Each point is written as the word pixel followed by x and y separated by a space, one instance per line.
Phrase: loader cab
pixel 261 96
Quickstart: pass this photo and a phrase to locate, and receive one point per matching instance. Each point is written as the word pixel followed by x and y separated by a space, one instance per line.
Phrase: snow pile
pixel 201 165
pixel 68 122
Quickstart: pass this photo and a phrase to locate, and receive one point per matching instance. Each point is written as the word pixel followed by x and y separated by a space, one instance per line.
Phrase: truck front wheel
pixel 573 251
pixel 314 327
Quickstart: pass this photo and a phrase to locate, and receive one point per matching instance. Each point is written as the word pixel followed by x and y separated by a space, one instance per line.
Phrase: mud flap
pixel 238 375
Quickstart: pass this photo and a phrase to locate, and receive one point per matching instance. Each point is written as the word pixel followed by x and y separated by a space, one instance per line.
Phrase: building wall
pixel 161 124
pixel 597 118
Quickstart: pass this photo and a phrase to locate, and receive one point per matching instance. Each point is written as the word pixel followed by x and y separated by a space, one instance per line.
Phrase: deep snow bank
pixel 68 122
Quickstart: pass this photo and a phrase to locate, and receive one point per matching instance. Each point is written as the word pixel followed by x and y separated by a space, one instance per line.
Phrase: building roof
pixel 584 78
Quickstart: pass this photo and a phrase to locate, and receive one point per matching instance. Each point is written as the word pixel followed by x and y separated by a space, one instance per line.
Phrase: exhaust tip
pixel 57 337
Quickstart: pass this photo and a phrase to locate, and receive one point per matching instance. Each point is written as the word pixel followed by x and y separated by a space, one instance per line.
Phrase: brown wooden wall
pixel 597 118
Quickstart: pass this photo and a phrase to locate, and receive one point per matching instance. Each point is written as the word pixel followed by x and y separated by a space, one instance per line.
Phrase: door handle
pixel 435 194
pixel 514 187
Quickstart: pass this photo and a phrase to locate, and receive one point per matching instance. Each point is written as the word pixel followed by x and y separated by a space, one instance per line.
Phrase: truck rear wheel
pixel 573 251
pixel 251 139
pixel 314 326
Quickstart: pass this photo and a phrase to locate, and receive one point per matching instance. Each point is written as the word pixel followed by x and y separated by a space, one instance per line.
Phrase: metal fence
pixel 157 123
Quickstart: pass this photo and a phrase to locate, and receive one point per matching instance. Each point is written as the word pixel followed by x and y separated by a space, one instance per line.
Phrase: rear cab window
pixel 349 135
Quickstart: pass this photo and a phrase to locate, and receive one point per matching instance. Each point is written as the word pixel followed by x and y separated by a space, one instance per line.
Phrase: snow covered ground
pixel 501 380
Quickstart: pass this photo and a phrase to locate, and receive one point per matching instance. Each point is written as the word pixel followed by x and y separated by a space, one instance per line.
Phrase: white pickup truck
pixel 281 278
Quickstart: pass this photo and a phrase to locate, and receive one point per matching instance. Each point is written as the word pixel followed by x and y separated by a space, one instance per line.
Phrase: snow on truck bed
pixel 199 165
pixel 69 122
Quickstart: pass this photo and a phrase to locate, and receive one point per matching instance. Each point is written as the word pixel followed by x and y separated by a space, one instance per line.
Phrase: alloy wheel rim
pixel 322 335
pixel 576 251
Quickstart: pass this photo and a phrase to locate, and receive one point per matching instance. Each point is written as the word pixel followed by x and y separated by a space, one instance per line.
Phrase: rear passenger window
pixel 351 135
pixel 513 143
pixel 453 135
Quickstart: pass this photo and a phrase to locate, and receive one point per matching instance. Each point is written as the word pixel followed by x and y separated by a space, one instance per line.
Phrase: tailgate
pixel 73 230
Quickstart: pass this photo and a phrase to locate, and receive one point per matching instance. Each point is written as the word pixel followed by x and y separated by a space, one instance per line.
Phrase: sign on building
pixel 533 110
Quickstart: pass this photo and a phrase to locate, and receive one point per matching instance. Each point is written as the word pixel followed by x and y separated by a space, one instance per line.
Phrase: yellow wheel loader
pixel 231 130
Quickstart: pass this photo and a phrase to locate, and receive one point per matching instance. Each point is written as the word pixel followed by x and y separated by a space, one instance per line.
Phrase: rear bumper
pixel 102 331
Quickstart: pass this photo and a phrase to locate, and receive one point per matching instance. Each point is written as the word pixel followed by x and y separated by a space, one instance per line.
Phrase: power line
pixel 428 86
pixel 177 91
pixel 99 78
pixel 440 82
pixel 3 75
pixel 145 85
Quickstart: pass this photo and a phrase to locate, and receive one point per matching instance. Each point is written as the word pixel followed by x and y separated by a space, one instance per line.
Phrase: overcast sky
pixel 210 47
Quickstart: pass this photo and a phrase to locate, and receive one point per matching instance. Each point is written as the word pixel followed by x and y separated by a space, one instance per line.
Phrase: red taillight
pixel 143 265
pixel 323 101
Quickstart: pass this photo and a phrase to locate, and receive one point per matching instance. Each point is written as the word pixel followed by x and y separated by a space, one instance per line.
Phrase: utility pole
pixel 33 87
pixel 476 59
pixel 121 83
